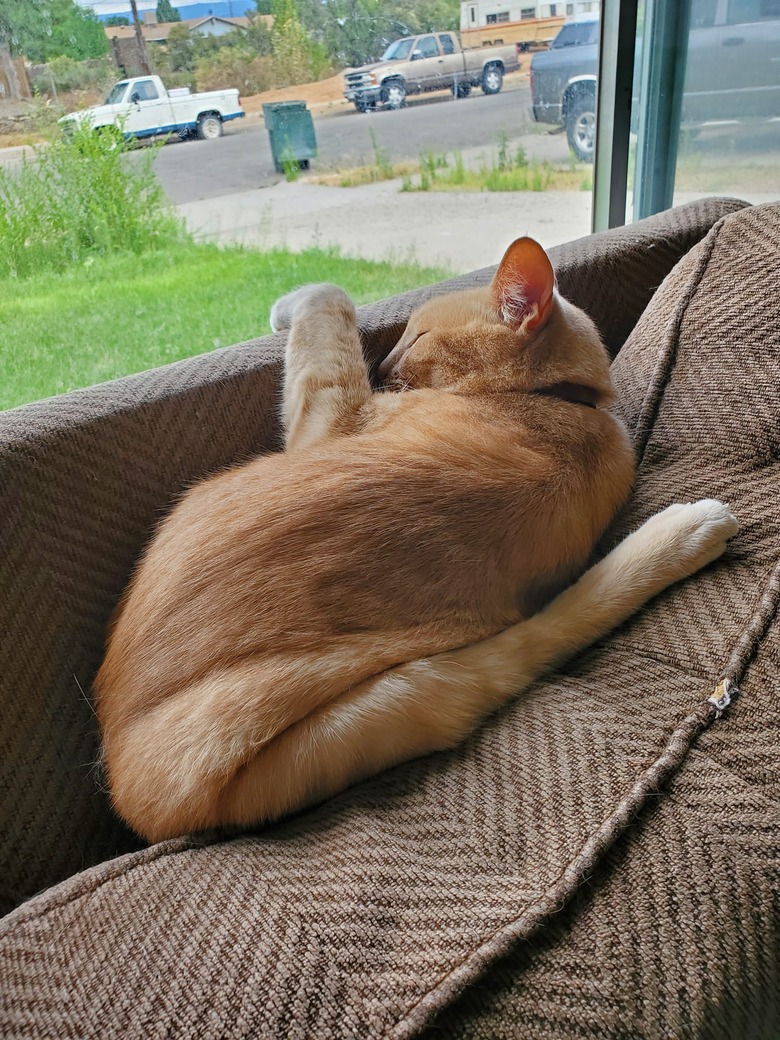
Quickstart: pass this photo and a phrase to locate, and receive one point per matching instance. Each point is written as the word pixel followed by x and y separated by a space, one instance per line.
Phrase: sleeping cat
pixel 367 596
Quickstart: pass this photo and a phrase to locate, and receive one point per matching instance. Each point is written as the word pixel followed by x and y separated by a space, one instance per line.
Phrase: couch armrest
pixel 85 478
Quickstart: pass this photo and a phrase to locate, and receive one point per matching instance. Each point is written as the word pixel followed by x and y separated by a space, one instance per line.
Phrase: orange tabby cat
pixel 294 625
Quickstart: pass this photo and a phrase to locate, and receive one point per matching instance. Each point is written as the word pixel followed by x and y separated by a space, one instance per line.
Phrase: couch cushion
pixel 644 910
pixel 85 477
pixel 677 933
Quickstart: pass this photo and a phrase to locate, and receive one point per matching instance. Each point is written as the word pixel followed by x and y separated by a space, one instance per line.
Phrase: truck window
pixel 398 51
pixel 426 47
pixel 447 46
pixel 116 93
pixel 703 13
pixel 743 11
pixel 576 34
pixel 146 90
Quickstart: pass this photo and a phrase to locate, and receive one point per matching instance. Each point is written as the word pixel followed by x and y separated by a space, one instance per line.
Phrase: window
pixel 427 48
pixel 553 10
pixel 447 46
pixel 398 51
pixel 473 15
pixel 742 12
pixel 569 10
pixel 146 90
pixel 576 34
pixel 703 14
pixel 503 16
pixel 526 13
pixel 491 19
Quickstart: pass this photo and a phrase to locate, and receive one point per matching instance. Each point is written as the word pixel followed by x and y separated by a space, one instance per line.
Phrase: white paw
pixel 318 295
pixel 693 534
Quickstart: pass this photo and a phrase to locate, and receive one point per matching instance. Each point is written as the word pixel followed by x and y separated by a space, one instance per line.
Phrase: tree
pixel 117 20
pixel 44 29
pixel 181 49
pixel 262 7
pixel 75 32
pixel 166 12
pixel 22 24
pixel 258 36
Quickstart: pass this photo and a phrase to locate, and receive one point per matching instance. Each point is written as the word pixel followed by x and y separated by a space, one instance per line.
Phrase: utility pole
pixel 139 39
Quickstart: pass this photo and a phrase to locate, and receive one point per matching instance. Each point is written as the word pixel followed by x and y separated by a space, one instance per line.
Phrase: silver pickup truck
pixel 732 72
pixel 432 61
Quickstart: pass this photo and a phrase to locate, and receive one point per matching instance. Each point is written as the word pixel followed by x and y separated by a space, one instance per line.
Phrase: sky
pixel 122 6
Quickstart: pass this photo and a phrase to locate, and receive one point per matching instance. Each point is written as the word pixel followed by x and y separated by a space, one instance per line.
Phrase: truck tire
pixel 209 127
pixel 581 126
pixel 461 89
pixel 365 106
pixel 492 79
pixel 394 94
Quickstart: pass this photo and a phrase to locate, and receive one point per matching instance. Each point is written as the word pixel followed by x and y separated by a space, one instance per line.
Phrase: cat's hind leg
pixel 433 704
pixel 326 385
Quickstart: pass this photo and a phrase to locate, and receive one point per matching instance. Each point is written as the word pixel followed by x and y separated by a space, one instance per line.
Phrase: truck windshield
pixel 116 93
pixel 575 34
pixel 398 51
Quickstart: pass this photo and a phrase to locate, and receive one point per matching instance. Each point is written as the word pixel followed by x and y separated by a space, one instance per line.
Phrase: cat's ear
pixel 523 285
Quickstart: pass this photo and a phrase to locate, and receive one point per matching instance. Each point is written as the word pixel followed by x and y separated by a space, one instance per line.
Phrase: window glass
pixel 146 90
pixel 577 34
pixel 740 12
pixel 728 140
pixel 703 13
pixel 116 93
pixel 398 51
pixel 427 47
pixel 317 97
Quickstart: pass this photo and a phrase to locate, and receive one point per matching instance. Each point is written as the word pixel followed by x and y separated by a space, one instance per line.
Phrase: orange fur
pixel 288 605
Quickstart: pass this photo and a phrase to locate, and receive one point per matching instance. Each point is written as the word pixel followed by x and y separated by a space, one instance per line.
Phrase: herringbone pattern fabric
pixel 679 935
pixel 86 477
pixel 400 903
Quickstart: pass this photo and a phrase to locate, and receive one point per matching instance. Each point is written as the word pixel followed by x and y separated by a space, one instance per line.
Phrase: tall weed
pixel 81 196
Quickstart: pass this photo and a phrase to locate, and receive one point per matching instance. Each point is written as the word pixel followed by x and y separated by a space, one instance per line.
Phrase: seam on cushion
pixel 24 913
pixel 656 388
pixel 649 782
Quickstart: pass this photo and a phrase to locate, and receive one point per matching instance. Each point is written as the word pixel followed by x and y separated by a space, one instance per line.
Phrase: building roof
pixel 157 32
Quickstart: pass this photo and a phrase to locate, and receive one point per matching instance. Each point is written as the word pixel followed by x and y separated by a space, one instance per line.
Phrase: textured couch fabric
pixel 600 859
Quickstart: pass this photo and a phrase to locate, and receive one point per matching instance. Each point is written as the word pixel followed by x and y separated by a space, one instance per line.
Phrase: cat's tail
pixel 433 704
pixel 211 775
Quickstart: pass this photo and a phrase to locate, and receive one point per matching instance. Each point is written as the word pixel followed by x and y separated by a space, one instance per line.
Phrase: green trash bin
pixel 291 132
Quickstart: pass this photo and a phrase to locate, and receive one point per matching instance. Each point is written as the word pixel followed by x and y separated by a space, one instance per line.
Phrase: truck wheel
pixel 581 127
pixel 492 80
pixel 461 90
pixel 365 106
pixel 394 94
pixel 209 127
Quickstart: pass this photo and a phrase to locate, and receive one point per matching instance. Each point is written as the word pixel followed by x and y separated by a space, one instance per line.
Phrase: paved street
pixel 241 160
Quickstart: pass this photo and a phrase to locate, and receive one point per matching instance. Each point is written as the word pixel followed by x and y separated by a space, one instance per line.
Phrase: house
pixel 487 22
pixel 155 32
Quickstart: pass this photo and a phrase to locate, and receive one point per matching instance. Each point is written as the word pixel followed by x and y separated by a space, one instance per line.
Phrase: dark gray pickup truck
pixel 732 73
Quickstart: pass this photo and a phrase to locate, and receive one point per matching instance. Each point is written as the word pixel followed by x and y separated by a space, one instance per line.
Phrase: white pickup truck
pixel 142 107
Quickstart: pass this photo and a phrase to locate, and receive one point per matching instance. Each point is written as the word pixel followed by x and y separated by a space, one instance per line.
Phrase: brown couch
pixel 602 859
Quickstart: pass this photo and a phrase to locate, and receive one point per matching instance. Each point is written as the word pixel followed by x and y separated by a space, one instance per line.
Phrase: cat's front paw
pixel 309 297
pixel 694 533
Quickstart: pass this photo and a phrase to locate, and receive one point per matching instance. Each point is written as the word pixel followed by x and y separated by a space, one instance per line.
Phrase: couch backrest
pixel 86 477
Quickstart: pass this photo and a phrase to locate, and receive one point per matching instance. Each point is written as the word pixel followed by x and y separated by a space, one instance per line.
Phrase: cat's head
pixel 516 334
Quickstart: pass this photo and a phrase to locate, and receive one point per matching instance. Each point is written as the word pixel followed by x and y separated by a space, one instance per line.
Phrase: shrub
pixel 231 67
pixel 80 197
pixel 64 75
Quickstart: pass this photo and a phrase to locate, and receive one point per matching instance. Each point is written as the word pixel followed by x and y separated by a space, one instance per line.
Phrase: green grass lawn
pixel 119 314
